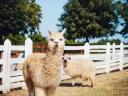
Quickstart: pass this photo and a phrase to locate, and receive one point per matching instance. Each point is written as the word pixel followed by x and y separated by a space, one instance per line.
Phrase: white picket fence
pixel 107 58
pixel 10 77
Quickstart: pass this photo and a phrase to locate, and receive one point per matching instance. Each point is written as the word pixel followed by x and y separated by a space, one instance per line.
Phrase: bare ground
pixel 113 84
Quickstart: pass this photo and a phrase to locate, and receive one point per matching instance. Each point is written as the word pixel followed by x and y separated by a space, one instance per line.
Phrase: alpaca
pixel 79 68
pixel 42 71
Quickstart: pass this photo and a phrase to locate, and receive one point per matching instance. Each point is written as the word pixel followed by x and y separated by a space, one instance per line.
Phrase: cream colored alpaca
pixel 79 68
pixel 42 71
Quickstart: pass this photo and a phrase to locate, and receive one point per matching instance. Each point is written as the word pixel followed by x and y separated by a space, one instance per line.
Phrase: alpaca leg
pixel 91 80
pixel 32 93
pixel 51 91
pixel 40 91
pixel 84 80
pixel 73 82
pixel 30 88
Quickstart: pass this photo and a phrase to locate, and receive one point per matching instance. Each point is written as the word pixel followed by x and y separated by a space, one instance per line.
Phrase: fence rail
pixel 12 78
pixel 107 58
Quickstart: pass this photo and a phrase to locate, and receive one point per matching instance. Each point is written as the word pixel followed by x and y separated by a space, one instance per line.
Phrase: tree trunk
pixel 1 41
pixel 87 39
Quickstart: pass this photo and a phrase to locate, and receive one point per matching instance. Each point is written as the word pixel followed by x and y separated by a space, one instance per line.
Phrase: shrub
pixel 15 39
pixel 73 43
pixel 37 38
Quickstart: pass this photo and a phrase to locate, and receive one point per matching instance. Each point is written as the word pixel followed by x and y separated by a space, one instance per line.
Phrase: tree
pixel 18 17
pixel 15 39
pixel 105 41
pixel 37 38
pixel 85 19
pixel 20 39
pixel 122 12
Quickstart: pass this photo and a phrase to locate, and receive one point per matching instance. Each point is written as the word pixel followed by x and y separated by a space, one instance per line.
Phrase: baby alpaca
pixel 42 71
pixel 79 68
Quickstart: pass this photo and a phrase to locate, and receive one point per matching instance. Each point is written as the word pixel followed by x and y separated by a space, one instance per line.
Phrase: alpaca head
pixel 56 41
pixel 65 59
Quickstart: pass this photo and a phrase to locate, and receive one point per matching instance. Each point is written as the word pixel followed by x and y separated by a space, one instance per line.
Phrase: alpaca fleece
pixel 45 72
pixel 42 71
pixel 80 68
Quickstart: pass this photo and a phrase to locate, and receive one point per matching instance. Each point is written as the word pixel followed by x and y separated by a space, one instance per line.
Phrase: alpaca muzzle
pixel 56 45
pixel 65 61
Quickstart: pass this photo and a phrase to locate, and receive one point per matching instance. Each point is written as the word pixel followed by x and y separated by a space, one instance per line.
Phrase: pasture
pixel 114 84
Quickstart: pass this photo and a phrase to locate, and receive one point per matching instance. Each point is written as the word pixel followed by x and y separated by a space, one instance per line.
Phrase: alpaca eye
pixel 51 40
pixel 60 39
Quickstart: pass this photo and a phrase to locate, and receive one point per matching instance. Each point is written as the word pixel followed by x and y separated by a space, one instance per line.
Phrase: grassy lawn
pixel 113 84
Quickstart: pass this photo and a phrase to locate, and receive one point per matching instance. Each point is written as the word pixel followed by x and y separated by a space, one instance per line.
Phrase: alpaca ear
pixel 50 33
pixel 69 58
pixel 63 31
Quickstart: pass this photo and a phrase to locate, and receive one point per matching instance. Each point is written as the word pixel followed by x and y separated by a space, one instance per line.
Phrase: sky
pixel 51 10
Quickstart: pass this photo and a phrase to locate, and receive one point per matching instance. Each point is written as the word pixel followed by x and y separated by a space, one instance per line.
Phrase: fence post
pixel 6 66
pixel 113 53
pixel 121 55
pixel 108 57
pixel 87 50
pixel 28 47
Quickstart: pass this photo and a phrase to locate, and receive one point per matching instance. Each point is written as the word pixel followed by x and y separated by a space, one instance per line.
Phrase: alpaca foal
pixel 42 71
pixel 79 68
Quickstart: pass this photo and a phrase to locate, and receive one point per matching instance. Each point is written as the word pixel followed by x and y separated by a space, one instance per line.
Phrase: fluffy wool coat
pixel 42 71
pixel 80 68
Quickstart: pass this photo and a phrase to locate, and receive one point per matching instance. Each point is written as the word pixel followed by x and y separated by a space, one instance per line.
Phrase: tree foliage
pixel 15 39
pixel 20 39
pixel 86 19
pixel 105 41
pixel 121 8
pixel 18 17
pixel 37 38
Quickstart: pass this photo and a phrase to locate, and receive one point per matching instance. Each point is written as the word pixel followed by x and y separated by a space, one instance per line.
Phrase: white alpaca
pixel 79 68
pixel 42 71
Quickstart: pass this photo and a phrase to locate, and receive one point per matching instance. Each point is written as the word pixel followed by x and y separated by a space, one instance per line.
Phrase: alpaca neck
pixel 53 60
pixel 54 54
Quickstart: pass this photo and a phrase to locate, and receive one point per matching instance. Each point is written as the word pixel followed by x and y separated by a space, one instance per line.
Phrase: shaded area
pixel 70 85
pixel 75 85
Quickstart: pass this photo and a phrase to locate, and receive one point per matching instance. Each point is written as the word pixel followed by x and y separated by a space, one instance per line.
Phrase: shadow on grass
pixel 70 85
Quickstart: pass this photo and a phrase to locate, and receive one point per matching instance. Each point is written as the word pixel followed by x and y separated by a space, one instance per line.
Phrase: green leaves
pixel 15 39
pixel 37 38
pixel 19 17
pixel 88 19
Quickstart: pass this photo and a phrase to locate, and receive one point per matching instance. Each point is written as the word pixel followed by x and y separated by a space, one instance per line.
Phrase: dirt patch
pixel 113 84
